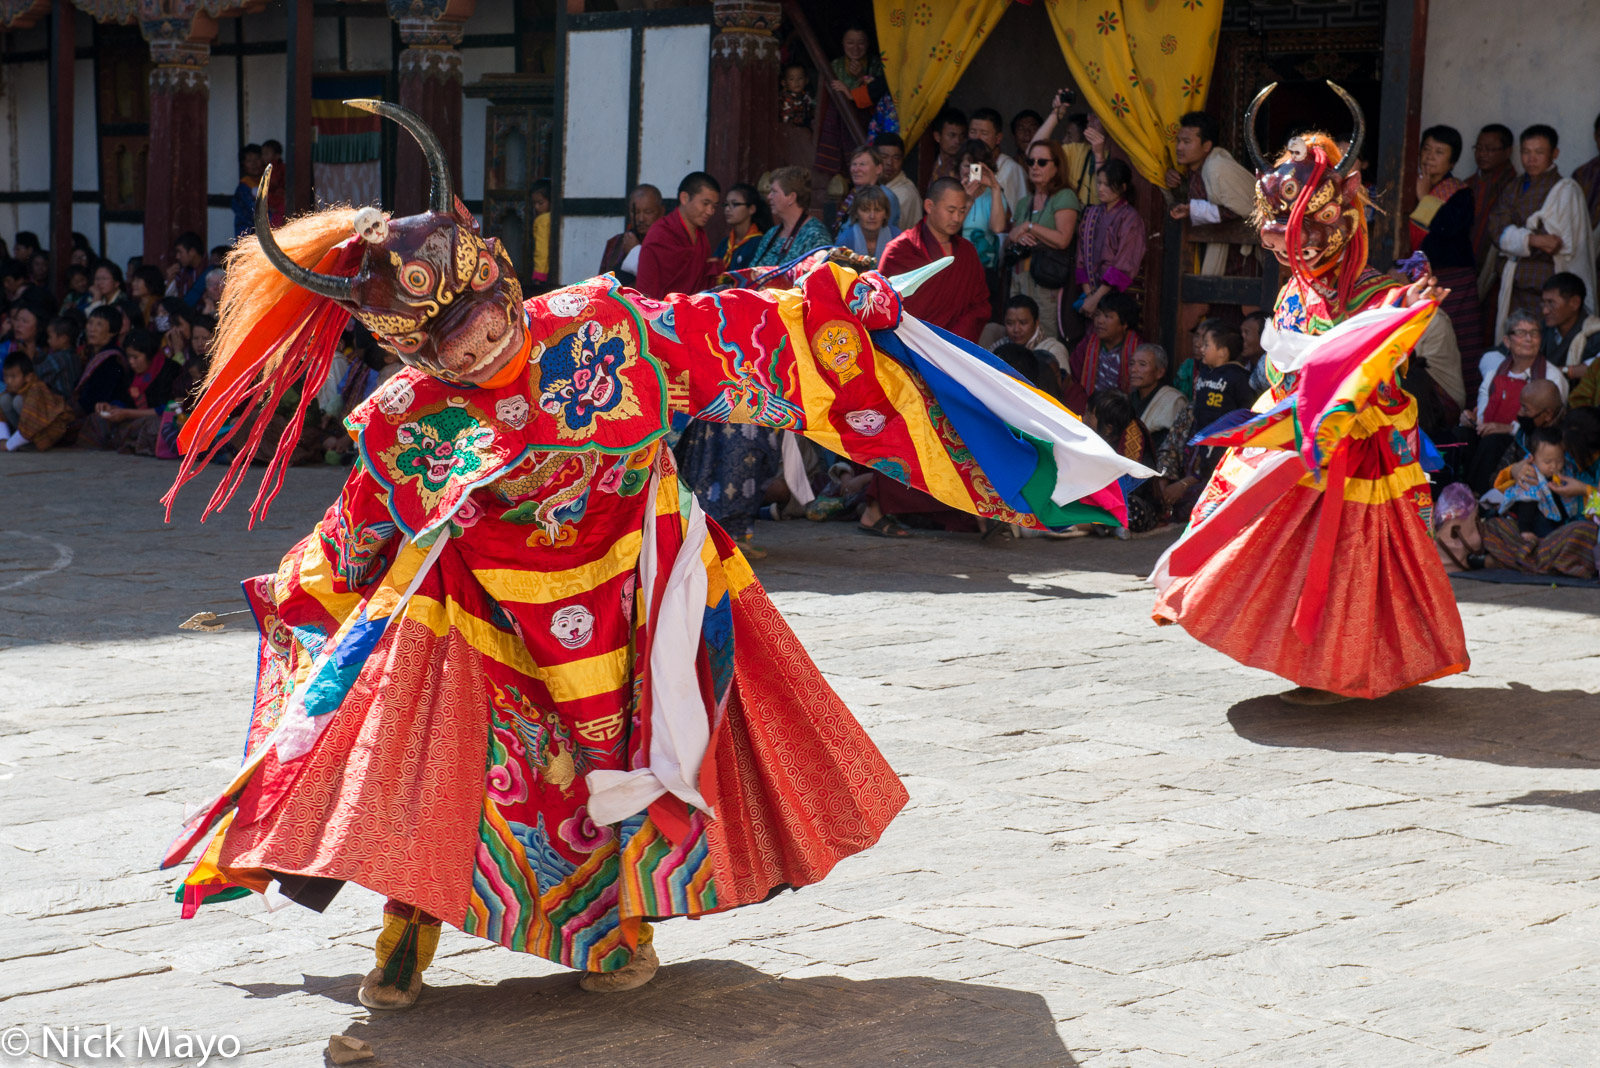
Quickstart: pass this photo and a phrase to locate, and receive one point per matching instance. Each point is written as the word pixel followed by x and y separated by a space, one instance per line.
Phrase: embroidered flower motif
pixel 1093 70
pixel 582 833
pixel 1192 86
pixel 1193 5
pixel 1133 79
pixel 1106 24
pixel 940 52
pixel 922 14
pixel 1120 106
pixel 897 17
pixel 1169 45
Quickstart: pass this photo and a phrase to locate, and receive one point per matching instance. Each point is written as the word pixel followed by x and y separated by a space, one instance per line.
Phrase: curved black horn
pixel 1250 142
pixel 441 198
pixel 1357 135
pixel 323 285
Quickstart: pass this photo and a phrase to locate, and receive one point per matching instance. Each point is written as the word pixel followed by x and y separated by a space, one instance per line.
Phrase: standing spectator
pixel 25 245
pixel 796 106
pixel 1495 175
pixel 1078 157
pixel 868 232
pixel 866 169
pixel 950 135
pixel 1217 189
pixel 957 298
pixel 36 415
pixel 1557 240
pixel 104 376
pixel 985 126
pixel 244 194
pixel 1023 328
pixel 747 217
pixel 1111 245
pixel 645 208
pixel 1571 338
pixel 676 254
pixel 1046 220
pixel 219 255
pixel 988 210
pixel 793 232
pixel 1024 127
pixel 1104 358
pixel 1441 229
pixel 1588 176
pixel 908 199
pixel 193 265
pixel 858 74
pixel 539 198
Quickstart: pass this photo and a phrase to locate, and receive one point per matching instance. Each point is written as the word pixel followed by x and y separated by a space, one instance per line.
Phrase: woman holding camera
pixel 1042 230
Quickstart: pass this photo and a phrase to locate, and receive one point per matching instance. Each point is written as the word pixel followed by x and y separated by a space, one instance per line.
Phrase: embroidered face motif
pixel 567 303
pixel 436 446
pixel 397 397
pixel 867 421
pixel 512 411
pixel 837 347
pixel 572 626
pixel 577 375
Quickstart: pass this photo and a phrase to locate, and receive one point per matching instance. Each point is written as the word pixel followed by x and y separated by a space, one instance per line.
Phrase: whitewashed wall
pixel 675 81
pixel 594 158
pixel 583 238
pixel 1492 61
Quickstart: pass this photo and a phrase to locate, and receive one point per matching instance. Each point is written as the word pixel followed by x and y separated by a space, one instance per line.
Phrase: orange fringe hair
pixel 254 286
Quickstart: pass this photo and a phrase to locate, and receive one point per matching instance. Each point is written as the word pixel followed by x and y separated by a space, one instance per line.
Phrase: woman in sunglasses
pixel 1047 219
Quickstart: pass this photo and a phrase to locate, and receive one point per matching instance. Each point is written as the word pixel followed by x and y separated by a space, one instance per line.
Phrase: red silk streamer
pixel 1319 572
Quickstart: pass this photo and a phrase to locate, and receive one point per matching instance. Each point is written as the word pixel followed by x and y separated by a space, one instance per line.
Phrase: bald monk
pixel 957 298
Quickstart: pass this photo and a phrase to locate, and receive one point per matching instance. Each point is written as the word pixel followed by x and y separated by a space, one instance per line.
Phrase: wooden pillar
pixel 297 109
pixel 430 85
pixel 744 90
pixel 1405 39
pixel 63 86
pixel 180 95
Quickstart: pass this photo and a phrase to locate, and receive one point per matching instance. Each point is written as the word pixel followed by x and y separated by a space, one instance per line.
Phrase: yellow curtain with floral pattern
pixel 926 45
pixel 1140 65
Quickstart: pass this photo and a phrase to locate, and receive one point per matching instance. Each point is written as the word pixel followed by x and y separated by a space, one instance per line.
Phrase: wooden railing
pixel 1181 286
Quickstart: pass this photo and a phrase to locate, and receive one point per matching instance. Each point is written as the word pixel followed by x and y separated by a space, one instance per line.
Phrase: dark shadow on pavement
pixel 1581 800
pixel 717 1014
pixel 1516 726
pixel 1560 598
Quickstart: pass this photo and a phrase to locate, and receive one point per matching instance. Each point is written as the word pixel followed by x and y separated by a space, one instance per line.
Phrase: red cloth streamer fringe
pixel 301 333
pixel 1319 572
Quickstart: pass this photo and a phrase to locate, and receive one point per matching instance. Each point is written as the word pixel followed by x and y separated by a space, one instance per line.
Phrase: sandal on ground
pixel 886 527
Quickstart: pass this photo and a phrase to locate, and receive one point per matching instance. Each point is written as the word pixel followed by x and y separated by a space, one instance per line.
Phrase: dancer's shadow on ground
pixel 1517 726
pixel 717 1014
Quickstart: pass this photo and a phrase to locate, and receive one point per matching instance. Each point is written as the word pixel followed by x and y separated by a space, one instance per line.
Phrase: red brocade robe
pixel 1329 580
pixel 453 766
pixel 957 298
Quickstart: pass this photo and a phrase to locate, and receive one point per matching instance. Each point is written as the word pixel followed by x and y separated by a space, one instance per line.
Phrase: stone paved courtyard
pixel 1121 849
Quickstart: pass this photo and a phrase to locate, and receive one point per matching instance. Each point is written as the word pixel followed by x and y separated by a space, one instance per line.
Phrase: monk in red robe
pixel 957 298
pixel 676 254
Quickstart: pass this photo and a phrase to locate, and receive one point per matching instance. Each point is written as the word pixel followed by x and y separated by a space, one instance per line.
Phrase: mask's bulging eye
pixel 486 273
pixel 417 278
pixel 408 343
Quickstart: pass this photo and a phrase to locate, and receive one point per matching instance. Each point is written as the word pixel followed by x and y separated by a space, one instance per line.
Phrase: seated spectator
pixel 1540 406
pixel 1221 387
pixel 77 295
pixel 620 257
pixel 745 212
pixel 1022 328
pixel 907 198
pixel 1255 357
pixel 1571 338
pixel 988 211
pixel 145 289
pixel 1111 241
pixel 1490 422
pixel 1044 225
pixel 36 415
pixel 957 298
pixel 219 255
pixel 1542 527
pixel 39 271
pixel 1104 358
pixel 82 253
pixel 676 254
pixel 794 232
pixel 1110 414
pixel 22 331
pixel 193 264
pixel 58 368
pixel 131 421
pixel 1033 366
pixel 866 172
pixel 23 248
pixel 868 231
pixel 18 284
pixel 1155 405
pixel 107 290
pixel 104 378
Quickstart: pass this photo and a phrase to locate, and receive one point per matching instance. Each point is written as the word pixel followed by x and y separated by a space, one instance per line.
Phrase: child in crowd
pixel 1553 499
pixel 78 295
pixel 541 234
pixel 1255 357
pixel 1221 383
pixel 795 106
pixel 59 368
pixel 43 415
